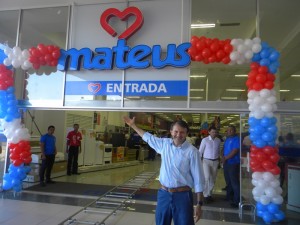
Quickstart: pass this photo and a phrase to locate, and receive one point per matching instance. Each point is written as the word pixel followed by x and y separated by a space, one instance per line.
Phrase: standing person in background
pixel 48 150
pixel 73 149
pixel 231 165
pixel 180 171
pixel 210 150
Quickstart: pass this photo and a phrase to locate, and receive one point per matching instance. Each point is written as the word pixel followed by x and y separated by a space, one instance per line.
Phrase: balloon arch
pixel 264 63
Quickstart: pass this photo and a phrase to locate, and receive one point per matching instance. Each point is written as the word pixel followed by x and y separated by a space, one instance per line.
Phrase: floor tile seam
pixel 61 195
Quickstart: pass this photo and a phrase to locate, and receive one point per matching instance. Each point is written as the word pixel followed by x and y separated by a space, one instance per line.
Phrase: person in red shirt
pixel 73 149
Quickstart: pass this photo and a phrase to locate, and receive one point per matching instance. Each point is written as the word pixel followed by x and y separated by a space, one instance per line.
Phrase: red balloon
pixel 257 86
pixel 220 54
pixel 27 160
pixel 17 162
pixel 261 78
pixel 254 66
pixel 252 74
pixel 261 156
pixel 275 170
pixel 263 69
pixel 269 150
pixel 274 158
pixel 206 53
pixel 56 54
pixel 269 84
pixel 267 165
pixel 270 77
pixel 228 48
pixel 194 39
pixel 212 59
pixel 200 45
pixel 214 46
pixel 226 60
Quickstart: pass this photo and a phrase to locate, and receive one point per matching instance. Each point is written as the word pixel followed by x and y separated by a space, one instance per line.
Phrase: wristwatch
pixel 200 203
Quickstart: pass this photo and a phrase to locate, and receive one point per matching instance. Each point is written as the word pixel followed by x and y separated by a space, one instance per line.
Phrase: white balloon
pixel 267 107
pixel 251 114
pixel 271 99
pixel 270 192
pixel 7 62
pixel 252 108
pixel 248 42
pixel 249 101
pixel 241 60
pixel 254 182
pixel 234 56
pixel 262 183
pixel 267 176
pixel 7 50
pixel 265 200
pixel 10 56
pixel 248 54
pixel 278 199
pixel 257 175
pixel 258 114
pixel 256 48
pixel 279 190
pixel 275 183
pixel 265 93
pixel 17 51
pixel 253 94
pixel 241 48
pixel 25 53
pixel 15 63
pixel 258 100
pixel 256 198
pixel 257 40
pixel 274 107
pixel 257 191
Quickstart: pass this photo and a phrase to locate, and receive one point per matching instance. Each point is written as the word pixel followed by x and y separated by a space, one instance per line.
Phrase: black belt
pixel 212 159
pixel 178 189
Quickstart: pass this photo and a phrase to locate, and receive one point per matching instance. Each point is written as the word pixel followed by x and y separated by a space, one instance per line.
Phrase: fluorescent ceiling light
pixel 197 89
pixel 198 76
pixel 229 98
pixel 235 89
pixel 203 25
pixel 297 99
pixel 196 97
pixel 241 75
pixel 133 97
pixel 284 90
pixel 164 97
pixel 295 75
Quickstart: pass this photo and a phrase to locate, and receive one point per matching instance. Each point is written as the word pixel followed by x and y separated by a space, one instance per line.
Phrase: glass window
pixel 279 27
pixel 221 21
pixel 43 87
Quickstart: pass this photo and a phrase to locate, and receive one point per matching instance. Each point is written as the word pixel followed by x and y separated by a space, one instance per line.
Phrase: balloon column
pixel 262 103
pixel 17 135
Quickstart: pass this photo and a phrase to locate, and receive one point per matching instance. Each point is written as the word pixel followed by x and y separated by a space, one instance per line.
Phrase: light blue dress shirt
pixel 180 166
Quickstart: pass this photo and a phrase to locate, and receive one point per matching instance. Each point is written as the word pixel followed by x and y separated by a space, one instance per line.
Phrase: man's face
pixel 213 133
pixel 178 134
pixel 230 131
pixel 51 130
pixel 76 127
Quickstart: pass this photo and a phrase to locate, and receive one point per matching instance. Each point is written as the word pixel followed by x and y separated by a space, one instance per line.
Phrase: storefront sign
pixel 132 88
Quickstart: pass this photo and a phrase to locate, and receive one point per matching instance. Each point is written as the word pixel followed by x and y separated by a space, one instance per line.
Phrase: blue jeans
pixel 231 174
pixel 177 206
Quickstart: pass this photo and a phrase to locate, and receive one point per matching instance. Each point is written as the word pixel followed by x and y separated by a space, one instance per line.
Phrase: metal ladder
pixel 112 201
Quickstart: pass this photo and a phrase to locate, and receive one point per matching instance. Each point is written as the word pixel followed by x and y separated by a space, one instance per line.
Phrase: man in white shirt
pixel 210 151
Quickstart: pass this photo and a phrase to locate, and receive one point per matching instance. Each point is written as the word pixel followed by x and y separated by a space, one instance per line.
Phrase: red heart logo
pixel 124 15
pixel 94 87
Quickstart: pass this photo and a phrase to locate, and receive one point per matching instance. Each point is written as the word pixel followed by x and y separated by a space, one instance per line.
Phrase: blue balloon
pixel 272 69
pixel 260 143
pixel 273 208
pixel 272 143
pixel 274 56
pixel 260 213
pixel 268 217
pixel 267 137
pixel 260 206
pixel 258 129
pixel 11 89
pixel 264 62
pixel 253 137
pixel 253 121
pixel 274 120
pixel 256 57
pixel 279 215
pixel 264 45
pixel 265 53
pixel 265 122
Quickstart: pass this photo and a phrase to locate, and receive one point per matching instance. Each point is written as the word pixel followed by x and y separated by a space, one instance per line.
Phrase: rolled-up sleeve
pixel 155 142
pixel 197 172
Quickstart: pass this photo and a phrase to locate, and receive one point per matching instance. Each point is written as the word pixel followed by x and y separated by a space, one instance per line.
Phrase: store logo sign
pixel 94 87
pixel 123 56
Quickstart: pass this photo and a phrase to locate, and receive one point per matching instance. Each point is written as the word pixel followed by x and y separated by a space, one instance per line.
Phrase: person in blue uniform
pixel 180 171
pixel 48 150
pixel 231 165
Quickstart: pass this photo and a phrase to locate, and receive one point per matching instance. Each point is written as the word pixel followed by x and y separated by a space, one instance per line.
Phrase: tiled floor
pixel 33 208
